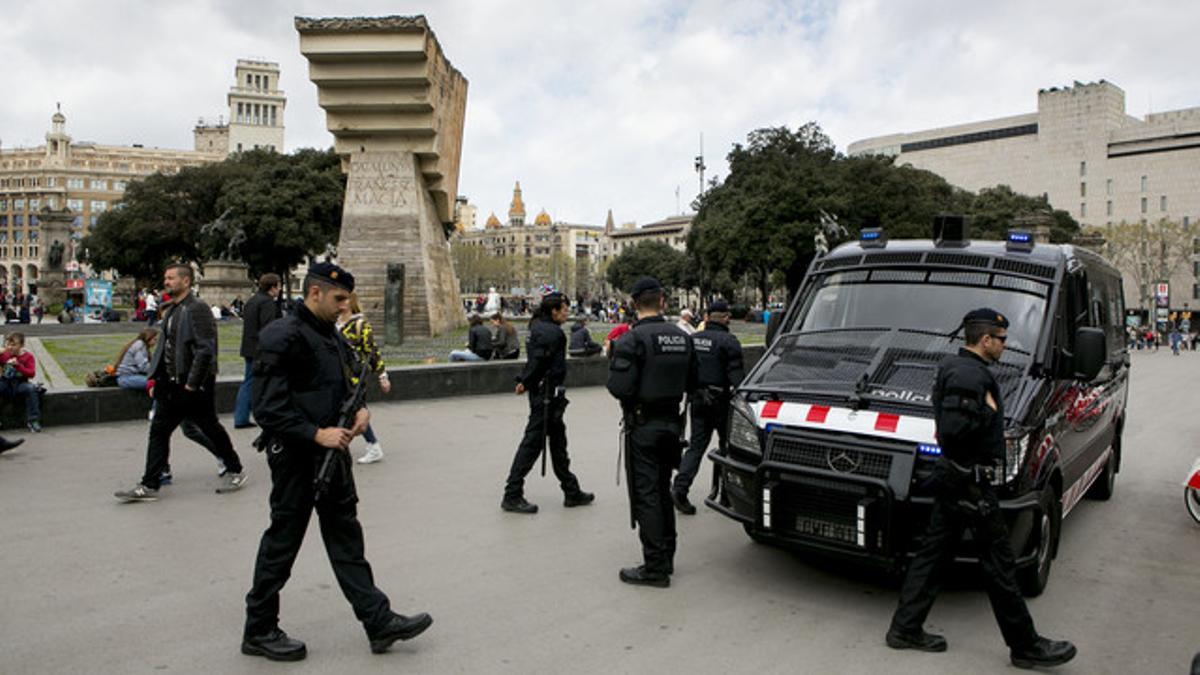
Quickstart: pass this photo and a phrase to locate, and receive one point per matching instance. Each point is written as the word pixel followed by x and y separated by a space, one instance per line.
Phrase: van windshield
pixel 885 340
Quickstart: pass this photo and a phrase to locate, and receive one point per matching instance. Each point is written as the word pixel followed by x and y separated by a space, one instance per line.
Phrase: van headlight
pixel 743 432
pixel 1015 449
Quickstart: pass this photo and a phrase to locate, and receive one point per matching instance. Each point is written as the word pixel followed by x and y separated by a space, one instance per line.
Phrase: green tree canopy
pixel 647 259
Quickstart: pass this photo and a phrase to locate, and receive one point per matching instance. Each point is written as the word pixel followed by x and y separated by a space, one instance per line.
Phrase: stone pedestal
pixel 395 107
pixel 55 241
pixel 223 281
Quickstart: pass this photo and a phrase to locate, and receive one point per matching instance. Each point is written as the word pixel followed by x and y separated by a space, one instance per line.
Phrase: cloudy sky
pixel 599 105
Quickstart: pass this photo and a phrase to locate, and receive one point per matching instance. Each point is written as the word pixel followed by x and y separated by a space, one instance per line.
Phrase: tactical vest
pixel 666 354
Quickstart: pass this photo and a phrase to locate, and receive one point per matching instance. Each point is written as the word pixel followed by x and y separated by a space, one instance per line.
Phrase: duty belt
pixel 981 474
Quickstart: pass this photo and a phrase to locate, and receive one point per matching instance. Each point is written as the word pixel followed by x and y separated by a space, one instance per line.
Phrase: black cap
pixel 718 306
pixel 644 285
pixel 332 274
pixel 988 316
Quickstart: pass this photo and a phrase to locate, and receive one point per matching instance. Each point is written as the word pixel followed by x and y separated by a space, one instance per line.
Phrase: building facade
pixel 255 112
pixel 87 178
pixel 1083 152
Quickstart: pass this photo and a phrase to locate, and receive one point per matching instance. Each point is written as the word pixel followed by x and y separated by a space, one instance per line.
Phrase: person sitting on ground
pixel 506 346
pixel 19 368
pixel 479 342
pixel 133 363
pixel 582 344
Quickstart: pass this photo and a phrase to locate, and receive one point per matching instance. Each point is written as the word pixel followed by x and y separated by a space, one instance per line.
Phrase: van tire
pixel 1102 490
pixel 1032 580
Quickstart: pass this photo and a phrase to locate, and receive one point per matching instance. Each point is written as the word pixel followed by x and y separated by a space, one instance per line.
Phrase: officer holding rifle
pixel 308 400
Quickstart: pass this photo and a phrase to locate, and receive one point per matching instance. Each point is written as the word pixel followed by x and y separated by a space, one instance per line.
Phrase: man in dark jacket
pixel 968 412
pixel 718 370
pixel 479 342
pixel 542 380
pixel 582 343
pixel 184 371
pixel 261 310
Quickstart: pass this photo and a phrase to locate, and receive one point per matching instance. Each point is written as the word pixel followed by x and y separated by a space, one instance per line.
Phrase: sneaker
pixel 374 454
pixel 232 482
pixel 221 470
pixel 138 493
pixel 164 478
pixel 35 426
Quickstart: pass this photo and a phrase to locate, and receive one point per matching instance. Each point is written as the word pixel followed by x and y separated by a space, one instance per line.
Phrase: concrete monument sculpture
pixel 395 107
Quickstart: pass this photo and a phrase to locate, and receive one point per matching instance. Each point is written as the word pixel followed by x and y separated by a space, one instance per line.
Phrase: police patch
pixel 670 344
pixel 702 344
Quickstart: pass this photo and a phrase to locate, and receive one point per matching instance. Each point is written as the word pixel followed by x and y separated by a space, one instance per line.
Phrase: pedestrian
pixel 542 381
pixel 184 371
pixel 652 367
pixel 1175 339
pixel 719 369
pixel 506 345
pixel 300 384
pixel 582 343
pixel 260 310
pixel 617 331
pixel 969 417
pixel 685 321
pixel 358 332
pixel 19 368
pixel 479 342
pixel 151 307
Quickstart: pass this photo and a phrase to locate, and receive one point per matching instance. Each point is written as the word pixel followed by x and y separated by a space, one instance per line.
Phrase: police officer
pixel 718 370
pixel 969 414
pixel 542 380
pixel 302 373
pixel 651 369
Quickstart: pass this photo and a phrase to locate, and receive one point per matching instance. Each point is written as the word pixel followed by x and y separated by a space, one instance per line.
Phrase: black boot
pixel 639 576
pixel 518 505
pixel 275 645
pixel 682 504
pixel 6 445
pixel 580 498
pixel 400 627
pixel 1043 653
pixel 921 641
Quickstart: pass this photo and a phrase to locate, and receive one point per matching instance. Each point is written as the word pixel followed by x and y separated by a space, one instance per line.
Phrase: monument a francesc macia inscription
pixel 395 107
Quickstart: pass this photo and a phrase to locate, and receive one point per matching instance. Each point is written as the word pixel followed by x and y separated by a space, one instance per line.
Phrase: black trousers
pixel 549 421
pixel 936 554
pixel 292 503
pixel 174 405
pixel 651 454
pixel 705 420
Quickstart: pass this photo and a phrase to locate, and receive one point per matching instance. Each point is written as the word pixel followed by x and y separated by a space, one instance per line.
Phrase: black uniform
pixel 971 435
pixel 301 379
pixel 652 367
pixel 718 370
pixel 543 377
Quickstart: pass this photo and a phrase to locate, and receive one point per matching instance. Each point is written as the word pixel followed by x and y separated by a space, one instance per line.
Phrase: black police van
pixel 832 435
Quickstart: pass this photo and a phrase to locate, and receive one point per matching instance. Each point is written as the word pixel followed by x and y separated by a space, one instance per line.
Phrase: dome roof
pixel 517 208
pixel 543 218
pixel 492 222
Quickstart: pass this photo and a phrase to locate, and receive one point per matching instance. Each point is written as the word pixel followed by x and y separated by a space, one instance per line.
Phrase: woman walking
pixel 357 331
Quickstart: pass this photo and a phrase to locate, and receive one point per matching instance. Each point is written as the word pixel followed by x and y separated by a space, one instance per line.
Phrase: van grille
pixel 785 449
pixel 1025 267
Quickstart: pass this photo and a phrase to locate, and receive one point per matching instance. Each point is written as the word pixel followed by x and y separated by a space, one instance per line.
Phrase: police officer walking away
pixel 543 377
pixel 652 367
pixel 718 370
pixel 302 374
pixel 969 414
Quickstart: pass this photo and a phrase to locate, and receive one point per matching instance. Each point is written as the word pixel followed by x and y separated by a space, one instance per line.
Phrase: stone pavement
pixel 93 586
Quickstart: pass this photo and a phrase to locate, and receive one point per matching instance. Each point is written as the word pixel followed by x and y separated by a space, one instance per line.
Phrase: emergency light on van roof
pixel 1019 240
pixel 926 449
pixel 872 237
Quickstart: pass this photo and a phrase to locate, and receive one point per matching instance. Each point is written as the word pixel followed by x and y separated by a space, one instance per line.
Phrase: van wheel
pixel 1033 579
pixel 1102 489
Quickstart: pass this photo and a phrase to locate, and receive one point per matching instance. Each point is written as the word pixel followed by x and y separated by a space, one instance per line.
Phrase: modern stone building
pixel 672 231
pixel 1083 152
pixel 255 115
pixel 87 178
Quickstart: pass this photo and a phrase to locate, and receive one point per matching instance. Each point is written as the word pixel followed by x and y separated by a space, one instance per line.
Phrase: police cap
pixel 986 316
pixel 717 306
pixel 332 274
pixel 644 285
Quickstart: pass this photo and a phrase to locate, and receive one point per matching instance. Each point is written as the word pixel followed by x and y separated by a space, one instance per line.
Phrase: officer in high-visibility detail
pixel 652 367
pixel 969 414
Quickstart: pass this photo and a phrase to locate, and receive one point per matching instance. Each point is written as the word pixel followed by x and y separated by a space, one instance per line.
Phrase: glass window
pixel 75 183
pixel 3 204
pixel 37 204
pixel 1187 221
pixel 1108 186
pixel 18 235
pixel 1162 203
pixel 1083 169
pixel 75 204
pixel 1108 207
pixel 98 205
pixel 3 221
pixel 51 181
pixel 18 220
pixel 1083 209
pixel 1145 183
pixel 119 185
pixel 33 221
pixel 99 184
pixel 18 205
pixel 33 235
pixel 1143 204
pixel 1083 189
pixel 92 221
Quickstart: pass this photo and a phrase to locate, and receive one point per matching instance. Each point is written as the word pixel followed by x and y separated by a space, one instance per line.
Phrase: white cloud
pixel 600 105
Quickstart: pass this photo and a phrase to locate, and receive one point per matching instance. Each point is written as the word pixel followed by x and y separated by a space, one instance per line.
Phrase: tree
pixel 646 259
pixel 1148 252
pixel 994 210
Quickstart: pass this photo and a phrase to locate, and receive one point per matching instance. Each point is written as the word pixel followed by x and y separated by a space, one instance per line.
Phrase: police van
pixel 832 439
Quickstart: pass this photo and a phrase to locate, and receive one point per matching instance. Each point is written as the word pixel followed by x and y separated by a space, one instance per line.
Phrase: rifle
pixel 349 408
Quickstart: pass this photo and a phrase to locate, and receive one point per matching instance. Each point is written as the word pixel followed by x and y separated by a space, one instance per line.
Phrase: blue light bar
pixel 926 449
pixel 1019 240
pixel 872 237
pixel 772 426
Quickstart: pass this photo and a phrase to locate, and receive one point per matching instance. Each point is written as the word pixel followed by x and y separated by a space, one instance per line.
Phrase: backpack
pixel 100 378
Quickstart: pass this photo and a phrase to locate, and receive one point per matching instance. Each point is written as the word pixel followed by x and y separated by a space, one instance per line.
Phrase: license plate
pixel 826 529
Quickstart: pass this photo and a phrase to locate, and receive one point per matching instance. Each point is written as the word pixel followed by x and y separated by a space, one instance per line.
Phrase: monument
pixel 395 107
pixel 57 253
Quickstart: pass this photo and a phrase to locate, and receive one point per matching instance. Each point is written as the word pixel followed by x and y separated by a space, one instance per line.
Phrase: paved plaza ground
pixel 93 586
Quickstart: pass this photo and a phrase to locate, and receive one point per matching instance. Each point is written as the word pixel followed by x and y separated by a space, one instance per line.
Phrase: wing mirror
pixel 1090 353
